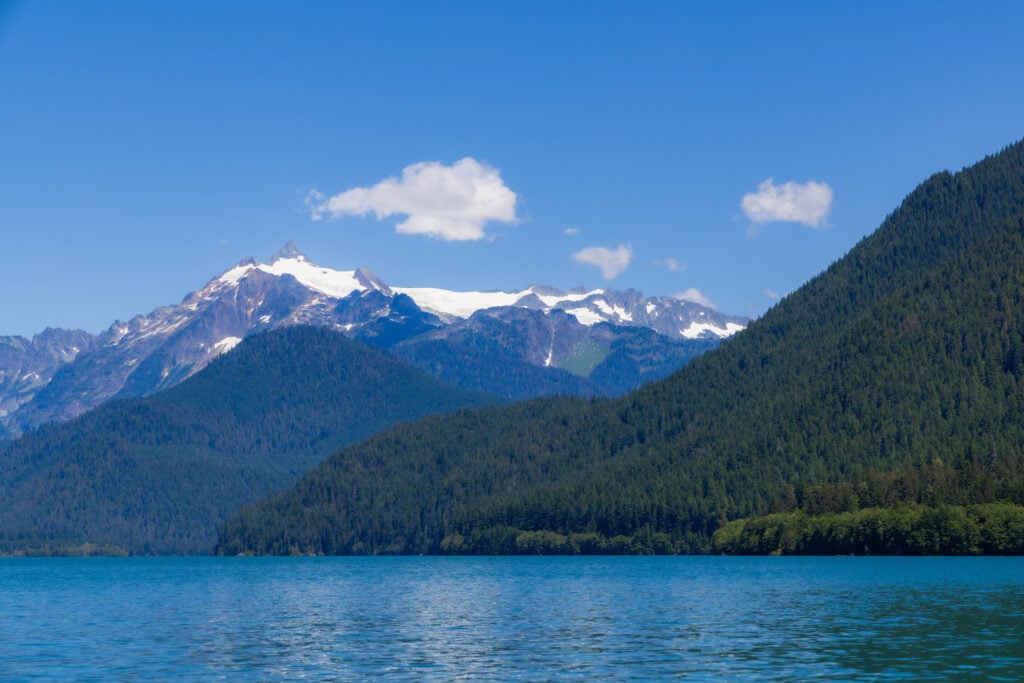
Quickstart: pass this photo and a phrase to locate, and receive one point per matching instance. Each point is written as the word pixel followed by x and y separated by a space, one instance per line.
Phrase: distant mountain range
pixel 522 344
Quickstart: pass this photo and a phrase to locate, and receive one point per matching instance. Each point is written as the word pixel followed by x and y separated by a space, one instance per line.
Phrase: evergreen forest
pixel 905 353
pixel 158 475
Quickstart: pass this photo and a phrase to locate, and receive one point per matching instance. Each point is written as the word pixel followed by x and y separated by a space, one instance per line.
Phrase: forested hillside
pixel 910 348
pixel 159 474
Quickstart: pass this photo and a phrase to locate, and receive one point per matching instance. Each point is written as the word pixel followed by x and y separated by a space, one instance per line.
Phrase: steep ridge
pixel 905 350
pixel 156 351
pixel 158 475
pixel 27 365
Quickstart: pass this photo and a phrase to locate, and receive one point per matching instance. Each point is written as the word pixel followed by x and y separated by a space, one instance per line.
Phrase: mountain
pixel 159 474
pixel 27 365
pixel 60 375
pixel 522 353
pixel 906 351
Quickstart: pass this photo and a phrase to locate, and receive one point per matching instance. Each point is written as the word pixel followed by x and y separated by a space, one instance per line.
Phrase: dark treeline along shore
pixel 889 386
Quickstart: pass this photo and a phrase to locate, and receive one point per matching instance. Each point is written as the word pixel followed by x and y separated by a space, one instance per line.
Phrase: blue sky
pixel 146 147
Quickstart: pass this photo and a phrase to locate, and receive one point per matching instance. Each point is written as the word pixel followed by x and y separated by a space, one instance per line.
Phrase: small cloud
pixel 451 203
pixel 671 264
pixel 771 294
pixel 611 261
pixel 571 232
pixel 693 295
pixel 807 203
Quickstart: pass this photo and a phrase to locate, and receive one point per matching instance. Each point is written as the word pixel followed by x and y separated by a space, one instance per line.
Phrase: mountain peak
pixel 544 290
pixel 288 251
pixel 365 277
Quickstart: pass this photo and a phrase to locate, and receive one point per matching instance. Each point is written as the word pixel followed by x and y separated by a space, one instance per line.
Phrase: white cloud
pixel 671 264
pixel 694 295
pixel 445 202
pixel 771 294
pixel 806 203
pixel 571 232
pixel 611 261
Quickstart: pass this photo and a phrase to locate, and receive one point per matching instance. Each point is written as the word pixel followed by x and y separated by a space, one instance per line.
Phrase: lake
pixel 512 618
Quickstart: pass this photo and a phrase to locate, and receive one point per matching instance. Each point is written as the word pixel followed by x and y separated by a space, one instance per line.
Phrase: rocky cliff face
pixel 28 365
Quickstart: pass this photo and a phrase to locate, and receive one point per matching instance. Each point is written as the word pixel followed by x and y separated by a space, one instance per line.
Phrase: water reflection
pixel 513 619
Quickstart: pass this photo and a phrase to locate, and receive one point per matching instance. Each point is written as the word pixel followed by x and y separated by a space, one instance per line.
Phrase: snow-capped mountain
pixel 670 316
pixel 58 374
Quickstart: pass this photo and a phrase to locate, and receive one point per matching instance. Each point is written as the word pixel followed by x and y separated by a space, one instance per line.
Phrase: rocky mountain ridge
pixel 557 338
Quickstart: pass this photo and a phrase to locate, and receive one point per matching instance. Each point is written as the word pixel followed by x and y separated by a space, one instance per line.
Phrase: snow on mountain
pixel 589 307
pixel 334 283
pixel 697 330
pixel 226 344
pixel 447 304
pixel 60 375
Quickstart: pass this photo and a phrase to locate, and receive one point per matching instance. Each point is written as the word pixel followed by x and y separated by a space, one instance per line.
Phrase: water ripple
pixel 512 619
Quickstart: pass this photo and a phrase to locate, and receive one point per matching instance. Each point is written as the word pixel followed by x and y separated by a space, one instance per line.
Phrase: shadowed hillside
pixel 160 474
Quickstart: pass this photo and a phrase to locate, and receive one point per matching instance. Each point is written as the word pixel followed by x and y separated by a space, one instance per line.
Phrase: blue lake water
pixel 431 618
